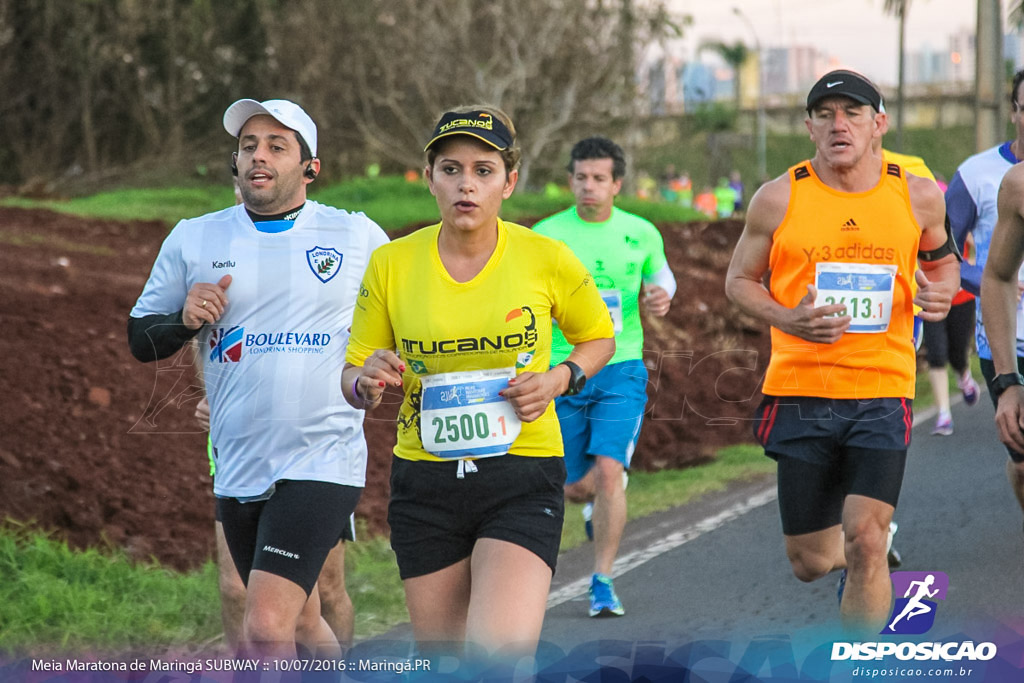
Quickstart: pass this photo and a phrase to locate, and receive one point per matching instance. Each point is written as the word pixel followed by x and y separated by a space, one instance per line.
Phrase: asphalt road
pixel 709 595
pixel 728 578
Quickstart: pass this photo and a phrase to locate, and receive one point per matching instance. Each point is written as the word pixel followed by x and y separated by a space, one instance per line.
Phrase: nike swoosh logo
pixel 832 85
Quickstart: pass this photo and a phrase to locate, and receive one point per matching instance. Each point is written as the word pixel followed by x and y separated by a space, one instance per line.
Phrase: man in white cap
pixel 269 287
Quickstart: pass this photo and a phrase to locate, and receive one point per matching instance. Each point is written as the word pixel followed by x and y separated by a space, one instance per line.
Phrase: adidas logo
pixel 850 225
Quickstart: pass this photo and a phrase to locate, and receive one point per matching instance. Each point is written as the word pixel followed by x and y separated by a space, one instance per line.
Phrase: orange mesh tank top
pixel 859 249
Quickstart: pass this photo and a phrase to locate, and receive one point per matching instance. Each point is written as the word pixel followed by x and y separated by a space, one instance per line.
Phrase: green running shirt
pixel 620 253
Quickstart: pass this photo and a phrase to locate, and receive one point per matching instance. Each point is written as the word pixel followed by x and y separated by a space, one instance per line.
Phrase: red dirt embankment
pixel 103 449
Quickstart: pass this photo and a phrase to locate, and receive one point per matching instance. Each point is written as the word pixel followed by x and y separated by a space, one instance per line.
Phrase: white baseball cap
pixel 286 113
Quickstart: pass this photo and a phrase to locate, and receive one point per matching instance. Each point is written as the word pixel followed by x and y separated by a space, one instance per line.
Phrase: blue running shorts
pixel 604 419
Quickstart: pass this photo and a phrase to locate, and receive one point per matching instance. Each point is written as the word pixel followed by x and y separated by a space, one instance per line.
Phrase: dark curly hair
pixel 598 148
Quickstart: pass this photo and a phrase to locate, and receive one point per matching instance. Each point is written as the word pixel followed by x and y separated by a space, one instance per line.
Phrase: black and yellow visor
pixel 479 124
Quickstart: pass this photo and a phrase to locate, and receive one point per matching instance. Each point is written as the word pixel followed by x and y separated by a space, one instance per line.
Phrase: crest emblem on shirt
pixel 325 262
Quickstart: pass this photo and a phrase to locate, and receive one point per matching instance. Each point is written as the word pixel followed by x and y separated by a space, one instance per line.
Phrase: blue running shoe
pixel 841 586
pixel 603 600
pixel 588 522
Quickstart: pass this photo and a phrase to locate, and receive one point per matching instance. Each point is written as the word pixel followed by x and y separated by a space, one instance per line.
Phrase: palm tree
pixel 898 8
pixel 734 55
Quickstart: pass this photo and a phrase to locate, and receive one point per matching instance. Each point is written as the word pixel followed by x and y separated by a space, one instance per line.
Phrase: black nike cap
pixel 845 84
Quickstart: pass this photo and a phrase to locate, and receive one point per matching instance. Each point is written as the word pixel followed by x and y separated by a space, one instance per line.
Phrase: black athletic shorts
pixel 988 371
pixel 828 449
pixel 436 517
pixel 290 533
pixel 348 532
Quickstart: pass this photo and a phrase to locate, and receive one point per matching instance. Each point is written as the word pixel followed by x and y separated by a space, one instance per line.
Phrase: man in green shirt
pixel 601 424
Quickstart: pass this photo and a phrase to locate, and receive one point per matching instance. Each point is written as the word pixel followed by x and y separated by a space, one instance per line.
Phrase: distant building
pixel 681 76
pixel 928 66
pixel 699 84
pixel 956 62
pixel 792 69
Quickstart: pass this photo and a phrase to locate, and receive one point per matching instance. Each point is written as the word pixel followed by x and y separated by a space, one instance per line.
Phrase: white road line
pixel 636 558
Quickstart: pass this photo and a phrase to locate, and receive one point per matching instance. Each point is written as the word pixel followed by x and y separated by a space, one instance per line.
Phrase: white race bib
pixel 865 289
pixel 613 300
pixel 462 415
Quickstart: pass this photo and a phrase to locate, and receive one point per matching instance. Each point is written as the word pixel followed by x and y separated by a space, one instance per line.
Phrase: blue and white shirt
pixel 971 207
pixel 272 364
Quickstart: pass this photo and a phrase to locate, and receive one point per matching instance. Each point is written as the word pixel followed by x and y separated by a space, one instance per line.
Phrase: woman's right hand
pixel 382 369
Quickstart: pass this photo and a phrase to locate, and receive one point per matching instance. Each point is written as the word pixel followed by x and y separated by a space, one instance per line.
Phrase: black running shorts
pixel 828 449
pixel 290 533
pixel 348 532
pixel 437 517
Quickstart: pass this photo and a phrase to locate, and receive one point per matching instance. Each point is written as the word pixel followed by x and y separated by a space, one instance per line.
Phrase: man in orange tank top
pixel 839 239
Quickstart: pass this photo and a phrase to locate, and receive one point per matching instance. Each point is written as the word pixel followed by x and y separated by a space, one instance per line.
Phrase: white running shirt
pixel 273 362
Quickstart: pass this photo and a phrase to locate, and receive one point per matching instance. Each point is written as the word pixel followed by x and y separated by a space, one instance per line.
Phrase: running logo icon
pixel 226 344
pixel 325 262
pixel 914 612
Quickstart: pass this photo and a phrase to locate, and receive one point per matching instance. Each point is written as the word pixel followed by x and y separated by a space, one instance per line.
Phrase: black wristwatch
pixel 577 380
pixel 1003 382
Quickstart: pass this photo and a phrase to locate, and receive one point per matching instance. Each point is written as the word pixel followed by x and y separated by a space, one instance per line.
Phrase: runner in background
pixel 1004 320
pixel 736 183
pixel 975 203
pixel 725 199
pixel 948 341
pixel 685 197
pixel 601 425
pixel 706 202
pixel 335 603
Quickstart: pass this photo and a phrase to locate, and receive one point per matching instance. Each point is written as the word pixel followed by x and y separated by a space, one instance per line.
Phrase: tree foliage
pixel 94 85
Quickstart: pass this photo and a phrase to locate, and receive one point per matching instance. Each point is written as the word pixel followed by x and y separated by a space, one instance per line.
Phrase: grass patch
pixel 165 204
pixel 371 577
pixel 391 201
pixel 53 597
pixel 650 492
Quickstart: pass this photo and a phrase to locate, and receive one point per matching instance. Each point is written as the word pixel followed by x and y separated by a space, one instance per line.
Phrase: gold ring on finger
pixel 203 305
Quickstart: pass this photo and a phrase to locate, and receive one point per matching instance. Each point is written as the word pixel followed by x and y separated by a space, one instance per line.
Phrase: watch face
pixel 576 379
pixel 1004 382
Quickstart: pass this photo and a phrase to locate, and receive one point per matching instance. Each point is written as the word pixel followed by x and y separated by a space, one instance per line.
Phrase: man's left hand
pixel 933 300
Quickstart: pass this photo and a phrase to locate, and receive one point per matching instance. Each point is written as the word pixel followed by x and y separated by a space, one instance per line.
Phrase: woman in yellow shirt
pixel 459 315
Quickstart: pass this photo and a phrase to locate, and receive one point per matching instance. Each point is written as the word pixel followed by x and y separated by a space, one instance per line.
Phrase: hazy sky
pixel 855 31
